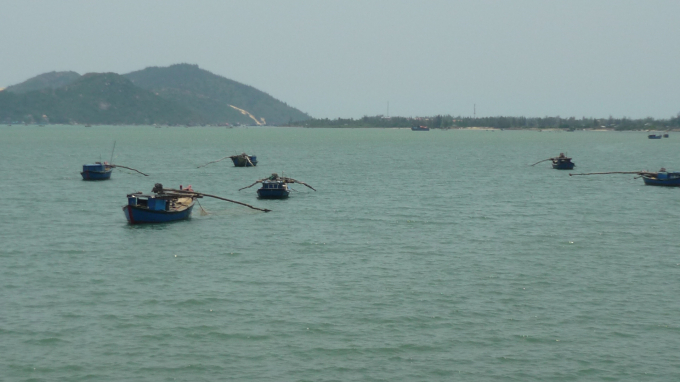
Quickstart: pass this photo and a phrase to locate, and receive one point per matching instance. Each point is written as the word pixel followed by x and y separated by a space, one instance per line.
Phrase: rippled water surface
pixel 423 256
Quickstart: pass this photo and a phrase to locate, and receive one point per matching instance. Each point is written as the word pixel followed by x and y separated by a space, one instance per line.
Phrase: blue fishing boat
pixel 244 160
pixel 159 207
pixel 97 171
pixel 167 205
pixel 420 128
pixel 562 162
pixel 654 136
pixel 275 187
pixel 661 178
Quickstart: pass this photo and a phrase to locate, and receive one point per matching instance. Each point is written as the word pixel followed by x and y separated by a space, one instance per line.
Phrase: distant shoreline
pixel 479 128
pixel 476 128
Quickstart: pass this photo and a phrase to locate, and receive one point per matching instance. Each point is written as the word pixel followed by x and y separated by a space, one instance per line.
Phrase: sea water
pixel 422 256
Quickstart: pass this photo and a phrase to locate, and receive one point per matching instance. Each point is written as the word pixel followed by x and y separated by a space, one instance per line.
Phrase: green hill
pixel 215 98
pixel 44 81
pixel 95 98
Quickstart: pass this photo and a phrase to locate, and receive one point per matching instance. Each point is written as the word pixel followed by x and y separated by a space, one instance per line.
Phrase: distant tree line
pixel 448 121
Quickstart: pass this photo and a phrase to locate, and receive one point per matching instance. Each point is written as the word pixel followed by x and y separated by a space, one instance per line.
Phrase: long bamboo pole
pixel 303 183
pixel 259 181
pixel 216 197
pixel 215 161
pixel 542 161
pixel 614 172
pixel 129 168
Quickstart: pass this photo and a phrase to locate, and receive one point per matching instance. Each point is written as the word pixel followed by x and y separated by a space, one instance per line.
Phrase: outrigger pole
pixel 214 196
pixel 230 156
pixel 112 150
pixel 221 159
pixel 283 179
pixel 129 168
pixel 544 160
pixel 614 172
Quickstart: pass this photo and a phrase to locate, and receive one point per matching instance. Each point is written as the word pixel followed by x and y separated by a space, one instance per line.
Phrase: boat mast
pixel 114 148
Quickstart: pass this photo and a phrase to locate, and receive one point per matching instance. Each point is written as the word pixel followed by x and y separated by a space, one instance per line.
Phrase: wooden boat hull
pixel 275 193
pixel 141 215
pixel 563 166
pixel 241 162
pixel 662 182
pixel 96 175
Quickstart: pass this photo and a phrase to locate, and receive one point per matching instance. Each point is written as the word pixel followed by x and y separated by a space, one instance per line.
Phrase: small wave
pixel 47 341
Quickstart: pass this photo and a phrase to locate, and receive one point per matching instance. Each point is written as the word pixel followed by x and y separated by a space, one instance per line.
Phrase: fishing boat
pixel 661 178
pixel 666 135
pixel 275 187
pixel 562 162
pixel 102 170
pixel 167 205
pixel 420 128
pixel 240 160
pixel 97 171
pixel 158 207
pixel 654 136
pixel 244 160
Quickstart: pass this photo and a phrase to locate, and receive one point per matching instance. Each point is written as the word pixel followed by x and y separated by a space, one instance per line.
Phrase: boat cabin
pixel 97 167
pixel 562 162
pixel 273 189
pixel 158 202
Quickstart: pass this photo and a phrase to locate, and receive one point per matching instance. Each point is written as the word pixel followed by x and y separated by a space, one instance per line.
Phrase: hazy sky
pixel 349 58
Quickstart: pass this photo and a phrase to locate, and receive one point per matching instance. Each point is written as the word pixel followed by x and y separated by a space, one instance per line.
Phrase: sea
pixel 421 256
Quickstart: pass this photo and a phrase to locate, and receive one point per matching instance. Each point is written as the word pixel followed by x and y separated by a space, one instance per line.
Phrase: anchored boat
pixel 420 128
pixel 661 178
pixel 166 205
pixel 240 160
pixel 275 187
pixel 158 207
pixel 97 171
pixel 102 171
pixel 654 136
pixel 561 162
pixel 244 160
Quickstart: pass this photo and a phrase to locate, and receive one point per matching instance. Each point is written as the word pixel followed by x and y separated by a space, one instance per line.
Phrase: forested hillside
pixel 44 81
pixel 215 98
pixel 96 98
